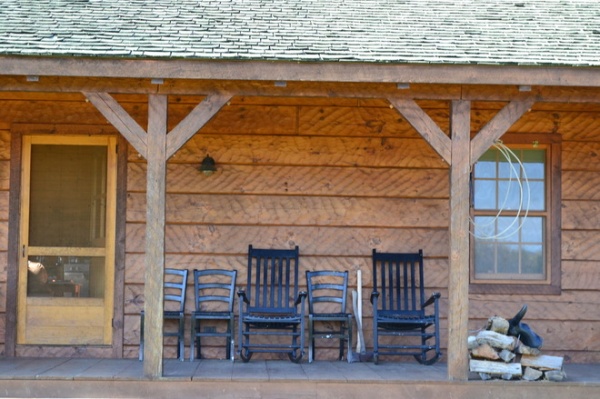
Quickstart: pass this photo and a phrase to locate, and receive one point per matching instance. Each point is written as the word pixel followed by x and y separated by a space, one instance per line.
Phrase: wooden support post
pixel 155 234
pixel 458 285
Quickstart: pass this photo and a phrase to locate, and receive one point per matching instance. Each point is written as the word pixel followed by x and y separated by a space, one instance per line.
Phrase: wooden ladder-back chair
pixel 269 305
pixel 175 285
pixel 213 297
pixel 327 293
pixel 400 308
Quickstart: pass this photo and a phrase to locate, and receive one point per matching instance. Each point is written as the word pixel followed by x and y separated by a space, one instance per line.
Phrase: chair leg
pixel 349 341
pixel 193 339
pixel 141 350
pixel 311 339
pixel 229 339
pixel 181 339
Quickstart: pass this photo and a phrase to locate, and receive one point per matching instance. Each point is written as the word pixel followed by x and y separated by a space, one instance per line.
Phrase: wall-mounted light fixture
pixel 208 166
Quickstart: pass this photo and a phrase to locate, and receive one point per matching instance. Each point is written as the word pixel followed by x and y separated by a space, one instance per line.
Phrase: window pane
pixel 485 168
pixel 538 198
pixel 508 259
pixel 532 230
pixel 484 257
pixel 485 194
pixel 65 276
pixel 484 226
pixel 509 195
pixel 508 227
pixel 68 191
pixel 532 259
pixel 534 162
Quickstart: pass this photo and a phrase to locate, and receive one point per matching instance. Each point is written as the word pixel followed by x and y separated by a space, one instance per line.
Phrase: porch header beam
pixel 196 87
pixel 302 71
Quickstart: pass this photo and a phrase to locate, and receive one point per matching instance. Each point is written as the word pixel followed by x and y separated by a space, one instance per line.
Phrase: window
pixel 515 227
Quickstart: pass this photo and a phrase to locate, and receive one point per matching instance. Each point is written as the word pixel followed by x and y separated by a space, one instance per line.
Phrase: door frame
pixel 17 132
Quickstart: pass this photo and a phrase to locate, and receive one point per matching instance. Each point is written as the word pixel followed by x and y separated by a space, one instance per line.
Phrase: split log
pixel 555 375
pixel 472 342
pixel 531 374
pixel 543 362
pixel 498 324
pixel 506 355
pixel 496 368
pixel 485 351
pixel 523 349
pixel 496 340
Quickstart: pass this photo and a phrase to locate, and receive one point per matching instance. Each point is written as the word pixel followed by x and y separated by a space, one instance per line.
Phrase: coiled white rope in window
pixel 507 232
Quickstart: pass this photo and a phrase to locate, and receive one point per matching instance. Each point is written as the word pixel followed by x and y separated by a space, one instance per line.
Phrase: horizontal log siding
pixel 337 178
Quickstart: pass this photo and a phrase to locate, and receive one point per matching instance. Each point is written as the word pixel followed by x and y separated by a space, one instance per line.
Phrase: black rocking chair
pixel 269 305
pixel 399 307
pixel 213 294
pixel 174 285
pixel 327 292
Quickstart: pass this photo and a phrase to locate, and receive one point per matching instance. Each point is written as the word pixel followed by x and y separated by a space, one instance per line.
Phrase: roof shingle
pixel 521 32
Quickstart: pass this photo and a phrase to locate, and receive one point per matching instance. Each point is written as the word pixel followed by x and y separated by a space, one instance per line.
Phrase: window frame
pixel 551 284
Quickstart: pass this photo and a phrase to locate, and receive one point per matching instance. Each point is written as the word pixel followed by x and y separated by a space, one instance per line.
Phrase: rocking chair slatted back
pixel 398 280
pixel 275 280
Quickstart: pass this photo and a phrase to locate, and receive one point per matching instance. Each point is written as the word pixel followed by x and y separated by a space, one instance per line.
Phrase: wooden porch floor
pixel 123 378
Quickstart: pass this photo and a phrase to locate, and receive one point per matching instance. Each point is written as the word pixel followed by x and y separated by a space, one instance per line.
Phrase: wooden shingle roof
pixel 458 32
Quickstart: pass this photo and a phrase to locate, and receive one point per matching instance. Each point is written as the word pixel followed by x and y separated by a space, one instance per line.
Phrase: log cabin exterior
pixel 333 145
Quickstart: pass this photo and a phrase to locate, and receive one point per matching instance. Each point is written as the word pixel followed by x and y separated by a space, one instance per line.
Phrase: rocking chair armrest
pixel 374 295
pixel 242 295
pixel 434 297
pixel 301 296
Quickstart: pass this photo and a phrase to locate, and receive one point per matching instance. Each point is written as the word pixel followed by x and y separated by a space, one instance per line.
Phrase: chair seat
pixel 331 316
pixel 211 315
pixel 272 318
pixel 173 314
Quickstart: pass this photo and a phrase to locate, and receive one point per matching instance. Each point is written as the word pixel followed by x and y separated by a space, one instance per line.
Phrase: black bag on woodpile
pixel 522 331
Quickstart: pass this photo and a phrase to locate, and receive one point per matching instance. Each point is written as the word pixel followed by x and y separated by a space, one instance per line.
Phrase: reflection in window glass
pixel 65 276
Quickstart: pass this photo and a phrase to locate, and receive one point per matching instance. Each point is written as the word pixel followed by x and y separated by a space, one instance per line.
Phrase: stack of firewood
pixel 495 354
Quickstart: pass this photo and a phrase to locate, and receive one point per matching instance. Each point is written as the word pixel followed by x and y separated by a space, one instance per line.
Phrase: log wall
pixel 337 178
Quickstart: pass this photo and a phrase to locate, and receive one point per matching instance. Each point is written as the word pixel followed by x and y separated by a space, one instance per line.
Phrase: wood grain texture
pixel 155 235
pixel 328 241
pixel 458 283
pixel 296 210
pixel 299 180
pixel 309 151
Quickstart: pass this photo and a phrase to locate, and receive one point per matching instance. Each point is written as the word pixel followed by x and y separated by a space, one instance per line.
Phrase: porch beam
pixel 458 278
pixel 299 71
pixel 155 235
pixel 195 87
pixel 426 126
pixel 120 119
pixel 498 126
pixel 194 121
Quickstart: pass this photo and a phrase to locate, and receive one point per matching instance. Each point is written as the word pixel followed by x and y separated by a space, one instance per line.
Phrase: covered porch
pixel 124 378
